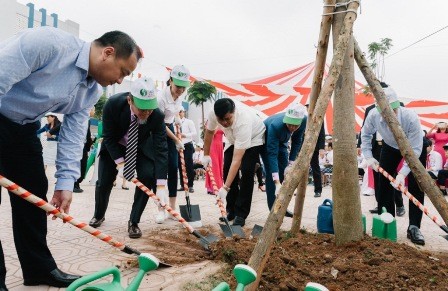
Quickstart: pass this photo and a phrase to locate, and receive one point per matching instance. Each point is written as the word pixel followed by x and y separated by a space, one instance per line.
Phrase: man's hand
pixel 373 163
pixel 222 194
pixel 278 185
pixel 163 195
pixel 399 180
pixel 61 200
pixel 179 146
pixel 206 161
pixel 120 168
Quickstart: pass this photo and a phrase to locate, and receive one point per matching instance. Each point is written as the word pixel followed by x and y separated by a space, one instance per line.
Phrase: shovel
pixel 47 207
pixel 203 241
pixel 414 200
pixel 227 229
pixel 190 213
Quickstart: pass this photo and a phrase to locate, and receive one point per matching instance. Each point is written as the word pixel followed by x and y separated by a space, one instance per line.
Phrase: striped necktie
pixel 131 150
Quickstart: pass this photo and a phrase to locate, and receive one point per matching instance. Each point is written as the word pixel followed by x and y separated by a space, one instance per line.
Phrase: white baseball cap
pixel 144 93
pixel 294 114
pixel 181 76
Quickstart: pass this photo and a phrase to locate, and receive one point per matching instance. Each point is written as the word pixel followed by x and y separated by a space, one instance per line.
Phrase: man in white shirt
pixel 244 130
pixel 188 131
pixel 434 162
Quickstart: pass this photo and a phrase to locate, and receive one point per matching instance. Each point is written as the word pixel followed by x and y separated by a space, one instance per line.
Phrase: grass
pixel 209 282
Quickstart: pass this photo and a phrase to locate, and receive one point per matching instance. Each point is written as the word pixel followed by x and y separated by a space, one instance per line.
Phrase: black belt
pixel 168 124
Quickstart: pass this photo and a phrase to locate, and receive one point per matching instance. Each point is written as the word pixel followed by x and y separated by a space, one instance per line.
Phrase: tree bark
pixel 300 167
pixel 319 67
pixel 418 170
pixel 347 220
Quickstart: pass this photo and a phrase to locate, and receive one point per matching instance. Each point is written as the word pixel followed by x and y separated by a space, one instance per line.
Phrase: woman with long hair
pixel 51 131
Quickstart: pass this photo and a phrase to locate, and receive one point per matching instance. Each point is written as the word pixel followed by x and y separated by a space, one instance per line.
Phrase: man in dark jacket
pixel 119 113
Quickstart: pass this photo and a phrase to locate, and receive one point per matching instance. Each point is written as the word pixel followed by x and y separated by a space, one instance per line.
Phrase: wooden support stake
pixel 418 170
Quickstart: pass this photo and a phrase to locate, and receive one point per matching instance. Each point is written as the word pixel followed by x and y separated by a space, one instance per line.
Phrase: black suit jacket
pixel 152 136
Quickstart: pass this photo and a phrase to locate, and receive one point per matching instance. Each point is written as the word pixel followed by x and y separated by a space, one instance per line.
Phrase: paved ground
pixel 78 252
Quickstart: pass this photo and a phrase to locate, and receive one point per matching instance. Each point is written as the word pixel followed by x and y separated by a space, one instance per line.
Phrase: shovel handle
pixel 47 207
pixel 163 205
pixel 215 192
pixel 182 161
pixel 422 207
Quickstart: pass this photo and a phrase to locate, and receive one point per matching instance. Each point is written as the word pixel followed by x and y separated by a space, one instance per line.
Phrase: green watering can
pixel 147 263
pixel 244 276
pixel 384 226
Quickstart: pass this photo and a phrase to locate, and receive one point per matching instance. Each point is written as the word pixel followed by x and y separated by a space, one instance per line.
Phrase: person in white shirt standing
pixel 170 103
pixel 244 130
pixel 434 162
pixel 188 131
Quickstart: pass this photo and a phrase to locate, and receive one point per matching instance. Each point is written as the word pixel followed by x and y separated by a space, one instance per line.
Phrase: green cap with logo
pixel 391 98
pixel 181 76
pixel 144 93
pixel 294 114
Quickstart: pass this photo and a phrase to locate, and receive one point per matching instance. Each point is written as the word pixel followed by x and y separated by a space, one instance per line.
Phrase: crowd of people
pixel 144 132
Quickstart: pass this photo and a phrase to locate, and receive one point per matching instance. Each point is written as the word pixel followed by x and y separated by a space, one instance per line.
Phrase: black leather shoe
pixel 230 217
pixel 401 211
pixel 317 194
pixel 77 189
pixel 191 190
pixel 374 210
pixel 288 213
pixel 3 289
pixel 239 221
pixel 96 222
pixel 55 278
pixel 133 230
pixel 415 235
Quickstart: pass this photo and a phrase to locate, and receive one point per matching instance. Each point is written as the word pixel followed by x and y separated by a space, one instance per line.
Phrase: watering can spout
pixel 147 262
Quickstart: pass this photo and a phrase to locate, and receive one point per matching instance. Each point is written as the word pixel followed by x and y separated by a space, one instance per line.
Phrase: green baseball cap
pixel 294 114
pixel 391 97
pixel 144 94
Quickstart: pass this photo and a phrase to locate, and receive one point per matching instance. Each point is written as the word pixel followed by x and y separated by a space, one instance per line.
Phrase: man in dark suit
pixel 152 150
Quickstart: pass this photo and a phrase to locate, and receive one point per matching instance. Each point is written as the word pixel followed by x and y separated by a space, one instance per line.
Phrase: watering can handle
pixel 329 201
pixel 95 276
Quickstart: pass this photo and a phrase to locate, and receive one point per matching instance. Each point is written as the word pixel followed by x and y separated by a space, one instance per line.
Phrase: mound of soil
pixel 370 264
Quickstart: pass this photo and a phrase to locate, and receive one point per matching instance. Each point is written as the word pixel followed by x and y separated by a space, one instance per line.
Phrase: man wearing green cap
pixel 280 128
pixel 390 158
pixel 120 111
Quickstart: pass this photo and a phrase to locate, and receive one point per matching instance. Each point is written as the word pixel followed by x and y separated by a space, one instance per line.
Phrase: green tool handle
pixel 133 286
pixel 223 286
pixel 98 275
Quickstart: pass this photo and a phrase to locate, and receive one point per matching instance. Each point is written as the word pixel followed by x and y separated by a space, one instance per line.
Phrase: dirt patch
pixel 367 265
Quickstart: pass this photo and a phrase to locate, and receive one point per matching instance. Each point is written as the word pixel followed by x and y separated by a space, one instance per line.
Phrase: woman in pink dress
pixel 440 138
pixel 217 156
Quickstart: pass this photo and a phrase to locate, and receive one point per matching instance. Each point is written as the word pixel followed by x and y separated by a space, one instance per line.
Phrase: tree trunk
pixel 300 167
pixel 319 67
pixel 418 170
pixel 347 220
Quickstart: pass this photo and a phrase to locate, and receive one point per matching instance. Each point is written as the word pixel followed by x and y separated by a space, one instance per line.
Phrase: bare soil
pixel 371 264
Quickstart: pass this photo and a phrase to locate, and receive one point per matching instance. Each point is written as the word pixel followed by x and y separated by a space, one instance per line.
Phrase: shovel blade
pixel 445 236
pixel 191 213
pixel 231 230
pixel 256 231
pixel 206 241
pixel 163 265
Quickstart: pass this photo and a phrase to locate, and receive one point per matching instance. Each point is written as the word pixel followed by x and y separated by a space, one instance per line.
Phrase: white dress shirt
pixel 188 129
pixel 168 106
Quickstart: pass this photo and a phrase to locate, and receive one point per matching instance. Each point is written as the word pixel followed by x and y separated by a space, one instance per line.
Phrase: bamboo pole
pixel 319 68
pixel 264 245
pixel 418 170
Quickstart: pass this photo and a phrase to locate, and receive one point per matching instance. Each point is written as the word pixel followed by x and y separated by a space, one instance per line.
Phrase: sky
pixel 245 39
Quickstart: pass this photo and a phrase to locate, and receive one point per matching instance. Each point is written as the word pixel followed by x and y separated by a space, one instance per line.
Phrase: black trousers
pixel 239 198
pixel 315 168
pixel 441 177
pixel 389 160
pixel 21 162
pixel 107 173
pixel 83 164
pixel 188 157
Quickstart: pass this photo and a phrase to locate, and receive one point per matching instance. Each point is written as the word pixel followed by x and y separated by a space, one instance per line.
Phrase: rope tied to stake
pixel 343 4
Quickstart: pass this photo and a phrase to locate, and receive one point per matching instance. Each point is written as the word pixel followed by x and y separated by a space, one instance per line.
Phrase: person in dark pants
pixel 152 152
pixel 85 152
pixel 390 158
pixel 280 128
pixel 244 130
pixel 188 131
pixel 170 103
pixel 46 69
